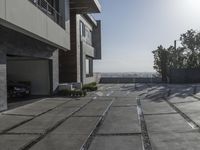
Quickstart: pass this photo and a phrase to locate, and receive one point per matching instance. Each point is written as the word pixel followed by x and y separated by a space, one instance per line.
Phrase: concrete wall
pixel 3 82
pixel 184 75
pixel 83 50
pixel 55 71
pixel 87 49
pixel 23 16
pixel 35 71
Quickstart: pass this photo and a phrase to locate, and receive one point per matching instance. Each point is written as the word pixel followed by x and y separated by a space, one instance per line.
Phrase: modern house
pixel 34 34
pixel 77 65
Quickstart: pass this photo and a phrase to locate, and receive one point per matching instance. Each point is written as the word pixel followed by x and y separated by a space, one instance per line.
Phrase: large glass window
pixel 86 33
pixel 89 67
pixel 82 29
pixel 88 36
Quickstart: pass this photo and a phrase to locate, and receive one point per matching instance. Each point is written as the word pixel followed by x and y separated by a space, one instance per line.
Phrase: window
pixel 89 67
pixel 82 28
pixel 86 33
pixel 88 36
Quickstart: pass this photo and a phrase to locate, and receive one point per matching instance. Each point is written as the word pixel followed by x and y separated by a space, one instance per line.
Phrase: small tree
pixel 185 57
pixel 177 58
pixel 161 61
pixel 191 43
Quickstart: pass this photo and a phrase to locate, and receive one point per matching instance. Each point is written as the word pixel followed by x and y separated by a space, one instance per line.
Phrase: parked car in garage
pixel 18 89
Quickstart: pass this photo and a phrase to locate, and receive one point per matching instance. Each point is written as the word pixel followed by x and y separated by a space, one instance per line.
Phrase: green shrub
pixel 93 84
pixel 76 93
pixel 90 87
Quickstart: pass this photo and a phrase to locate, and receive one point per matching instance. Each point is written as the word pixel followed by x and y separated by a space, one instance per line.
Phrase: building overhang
pixel 85 6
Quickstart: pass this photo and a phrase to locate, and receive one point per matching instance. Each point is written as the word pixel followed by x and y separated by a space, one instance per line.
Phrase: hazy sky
pixel 131 29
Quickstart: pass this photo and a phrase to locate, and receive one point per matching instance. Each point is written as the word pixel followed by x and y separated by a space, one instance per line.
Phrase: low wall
pixel 129 80
pixel 184 75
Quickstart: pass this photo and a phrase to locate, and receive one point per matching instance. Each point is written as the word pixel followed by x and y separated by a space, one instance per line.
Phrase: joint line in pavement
pixel 146 144
pixel 42 136
pixel 94 132
pixel 21 123
pixel 187 119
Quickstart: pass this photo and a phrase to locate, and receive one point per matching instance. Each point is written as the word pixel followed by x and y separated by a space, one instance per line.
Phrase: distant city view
pixel 129 74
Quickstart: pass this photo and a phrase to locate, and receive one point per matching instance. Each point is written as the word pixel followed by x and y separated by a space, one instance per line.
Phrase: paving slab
pixel 71 135
pixel 78 125
pixel 61 142
pixel 172 122
pixel 175 141
pixel 194 117
pixel 124 102
pixel 57 99
pixel 152 107
pixel 197 91
pixel 188 99
pixel 77 102
pixel 103 98
pixel 37 108
pixel 124 94
pixel 95 108
pixel 106 93
pixel 107 87
pixel 120 93
pixel 8 121
pixel 121 120
pixel 44 122
pixel 181 90
pixel 116 143
pixel 189 107
pixel 15 142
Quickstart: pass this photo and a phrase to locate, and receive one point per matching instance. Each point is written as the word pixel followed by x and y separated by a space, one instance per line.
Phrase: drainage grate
pixel 145 136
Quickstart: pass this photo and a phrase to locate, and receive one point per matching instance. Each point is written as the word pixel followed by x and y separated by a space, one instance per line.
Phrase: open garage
pixel 33 71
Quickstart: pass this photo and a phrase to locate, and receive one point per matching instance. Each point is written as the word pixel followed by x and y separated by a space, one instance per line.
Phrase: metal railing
pixel 50 11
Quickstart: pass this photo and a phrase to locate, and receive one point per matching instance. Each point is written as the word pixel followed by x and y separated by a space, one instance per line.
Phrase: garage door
pixel 36 71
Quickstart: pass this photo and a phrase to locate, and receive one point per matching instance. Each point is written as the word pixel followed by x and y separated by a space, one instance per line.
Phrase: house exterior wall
pixel 26 18
pixel 80 50
pixel 3 82
pixel 26 31
pixel 68 60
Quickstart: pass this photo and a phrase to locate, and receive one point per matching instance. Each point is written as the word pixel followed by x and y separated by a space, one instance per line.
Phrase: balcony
pixel 50 11
pixel 25 17
pixel 85 6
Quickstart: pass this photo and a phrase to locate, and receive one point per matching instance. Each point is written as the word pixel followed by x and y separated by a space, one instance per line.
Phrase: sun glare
pixel 193 5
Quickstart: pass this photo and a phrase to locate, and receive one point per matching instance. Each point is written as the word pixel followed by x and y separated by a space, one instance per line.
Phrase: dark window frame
pixel 89 73
pixel 82 29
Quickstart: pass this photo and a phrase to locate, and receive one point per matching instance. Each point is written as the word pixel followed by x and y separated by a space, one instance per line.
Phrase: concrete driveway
pixel 116 117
